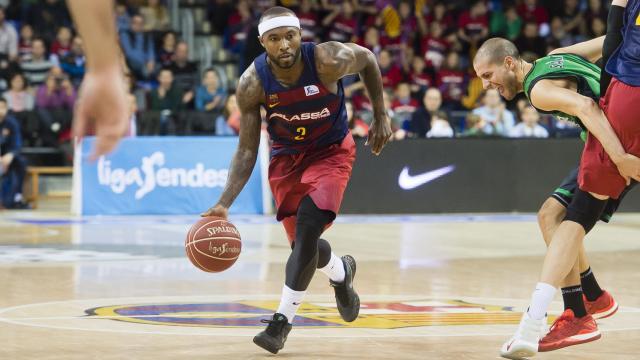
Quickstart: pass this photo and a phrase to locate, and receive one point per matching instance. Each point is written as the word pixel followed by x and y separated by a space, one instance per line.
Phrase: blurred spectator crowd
pixel 424 49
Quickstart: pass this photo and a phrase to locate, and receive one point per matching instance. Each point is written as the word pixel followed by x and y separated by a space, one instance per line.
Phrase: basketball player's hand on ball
pixel 379 133
pixel 102 106
pixel 629 167
pixel 217 210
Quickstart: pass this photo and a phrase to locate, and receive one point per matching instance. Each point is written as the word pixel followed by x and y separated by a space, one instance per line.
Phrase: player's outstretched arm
pixel 102 99
pixel 590 49
pixel 249 94
pixel 335 60
pixel 546 96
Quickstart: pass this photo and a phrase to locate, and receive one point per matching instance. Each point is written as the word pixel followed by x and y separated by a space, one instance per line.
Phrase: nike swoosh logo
pixel 509 346
pixel 273 105
pixel 408 182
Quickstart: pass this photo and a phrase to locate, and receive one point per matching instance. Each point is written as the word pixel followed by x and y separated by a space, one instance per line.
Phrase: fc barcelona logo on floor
pixel 373 315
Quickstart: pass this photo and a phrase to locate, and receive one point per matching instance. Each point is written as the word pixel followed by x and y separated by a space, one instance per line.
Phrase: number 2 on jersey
pixel 302 132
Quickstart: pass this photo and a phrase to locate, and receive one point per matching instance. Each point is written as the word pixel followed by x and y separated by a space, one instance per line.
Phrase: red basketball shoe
pixel 569 330
pixel 602 307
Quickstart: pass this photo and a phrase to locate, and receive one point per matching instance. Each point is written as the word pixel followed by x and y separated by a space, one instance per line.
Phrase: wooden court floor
pixel 432 287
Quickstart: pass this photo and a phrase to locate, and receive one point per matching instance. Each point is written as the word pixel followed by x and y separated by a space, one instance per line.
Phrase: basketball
pixel 213 244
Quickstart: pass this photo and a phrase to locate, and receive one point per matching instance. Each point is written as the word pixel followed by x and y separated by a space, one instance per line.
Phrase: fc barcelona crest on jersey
pixel 273 100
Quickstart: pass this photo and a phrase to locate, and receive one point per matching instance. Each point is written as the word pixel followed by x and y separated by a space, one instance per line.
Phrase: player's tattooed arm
pixel 547 96
pixel 334 60
pixel 250 95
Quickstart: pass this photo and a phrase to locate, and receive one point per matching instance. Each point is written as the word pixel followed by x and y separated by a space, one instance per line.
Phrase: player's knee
pixel 550 215
pixel 309 226
pixel 311 216
pixel 585 210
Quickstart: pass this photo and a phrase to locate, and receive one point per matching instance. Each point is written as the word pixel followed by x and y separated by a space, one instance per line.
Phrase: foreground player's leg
pixel 302 264
pixel 329 263
pixel 597 302
pixel 582 214
pixel 575 325
pixel 341 272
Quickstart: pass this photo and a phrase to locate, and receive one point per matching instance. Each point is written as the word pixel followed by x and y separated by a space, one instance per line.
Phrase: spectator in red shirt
pixel 442 16
pixel 367 11
pixel 62 45
pixel 342 23
pixel 395 45
pixel 529 10
pixel 330 5
pixel 419 79
pixel 25 46
pixel 473 25
pixel 391 73
pixel 309 21
pixel 409 25
pixel 371 40
pixel 451 82
pixel 434 46
pixel 238 27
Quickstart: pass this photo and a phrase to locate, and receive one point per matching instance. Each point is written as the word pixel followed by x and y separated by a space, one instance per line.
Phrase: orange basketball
pixel 213 244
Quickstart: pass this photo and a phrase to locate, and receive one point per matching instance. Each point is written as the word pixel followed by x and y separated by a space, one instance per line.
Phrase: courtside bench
pixel 33 177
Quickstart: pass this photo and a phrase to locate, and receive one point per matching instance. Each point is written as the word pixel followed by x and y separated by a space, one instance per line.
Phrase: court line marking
pixel 621 310
pixel 367 333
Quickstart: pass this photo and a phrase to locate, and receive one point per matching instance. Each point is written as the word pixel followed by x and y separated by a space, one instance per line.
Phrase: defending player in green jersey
pixel 564 83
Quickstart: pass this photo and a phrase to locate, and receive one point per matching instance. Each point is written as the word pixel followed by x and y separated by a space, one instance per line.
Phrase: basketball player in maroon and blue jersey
pixel 312 156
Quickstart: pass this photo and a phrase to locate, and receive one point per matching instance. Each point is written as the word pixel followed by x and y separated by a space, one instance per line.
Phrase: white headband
pixel 276 22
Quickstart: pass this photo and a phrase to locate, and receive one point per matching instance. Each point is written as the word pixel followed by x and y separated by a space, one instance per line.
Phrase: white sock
pixel 540 300
pixel 290 302
pixel 334 269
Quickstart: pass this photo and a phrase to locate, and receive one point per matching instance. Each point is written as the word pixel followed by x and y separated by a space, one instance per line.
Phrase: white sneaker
pixel 524 343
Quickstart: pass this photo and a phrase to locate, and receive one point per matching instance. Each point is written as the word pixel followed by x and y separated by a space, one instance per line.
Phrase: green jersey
pixel 586 74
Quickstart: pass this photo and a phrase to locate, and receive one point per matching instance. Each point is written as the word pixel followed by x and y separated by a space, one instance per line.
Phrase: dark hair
pixel 25 82
pixel 276 11
pixel 210 69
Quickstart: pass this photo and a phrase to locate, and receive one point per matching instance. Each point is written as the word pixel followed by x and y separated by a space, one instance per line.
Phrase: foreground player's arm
pixel 590 50
pixel 102 97
pixel 249 95
pixel 336 60
pixel 546 96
